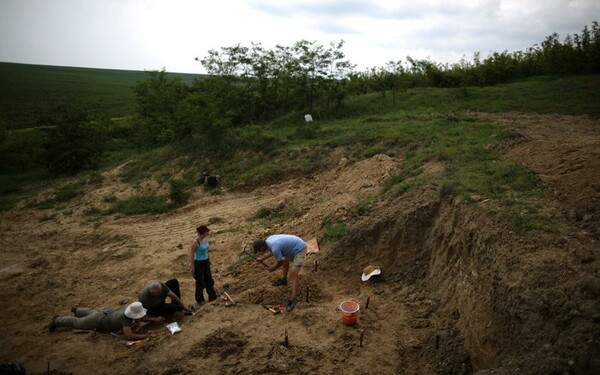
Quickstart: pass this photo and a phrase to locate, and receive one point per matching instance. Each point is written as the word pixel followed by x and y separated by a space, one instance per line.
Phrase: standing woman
pixel 200 266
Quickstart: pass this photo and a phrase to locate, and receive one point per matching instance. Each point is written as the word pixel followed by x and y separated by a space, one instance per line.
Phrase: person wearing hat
pixel 200 266
pixel 125 321
pixel 286 249
pixel 153 298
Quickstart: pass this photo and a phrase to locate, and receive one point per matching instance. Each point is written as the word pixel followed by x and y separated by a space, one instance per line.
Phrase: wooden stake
pixel 437 341
pixel 316 265
pixel 362 334
pixel 307 293
pixel 367 304
pixel 286 342
pixel 48 369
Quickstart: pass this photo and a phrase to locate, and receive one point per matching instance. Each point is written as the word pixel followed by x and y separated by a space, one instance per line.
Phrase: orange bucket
pixel 349 312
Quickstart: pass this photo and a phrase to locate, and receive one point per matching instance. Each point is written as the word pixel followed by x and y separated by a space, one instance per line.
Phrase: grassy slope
pixel 29 92
pixel 422 125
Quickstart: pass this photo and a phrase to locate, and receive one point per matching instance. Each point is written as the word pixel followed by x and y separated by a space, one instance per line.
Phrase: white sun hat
pixel 370 271
pixel 135 311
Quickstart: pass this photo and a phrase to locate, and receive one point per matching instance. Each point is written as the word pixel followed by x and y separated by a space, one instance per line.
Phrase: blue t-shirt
pixel 285 245
pixel 201 252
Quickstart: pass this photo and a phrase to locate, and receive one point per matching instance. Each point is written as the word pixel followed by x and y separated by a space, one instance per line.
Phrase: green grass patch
pixel 522 223
pixel 47 217
pixel 216 220
pixel 275 214
pixel 334 230
pixel 63 194
pixel 140 205
pixel 14 187
pixel 93 211
pixel 8 201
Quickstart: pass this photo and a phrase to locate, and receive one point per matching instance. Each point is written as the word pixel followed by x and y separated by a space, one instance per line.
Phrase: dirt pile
pixel 460 292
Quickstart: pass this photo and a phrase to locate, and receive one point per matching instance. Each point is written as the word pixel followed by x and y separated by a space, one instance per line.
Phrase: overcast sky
pixel 156 34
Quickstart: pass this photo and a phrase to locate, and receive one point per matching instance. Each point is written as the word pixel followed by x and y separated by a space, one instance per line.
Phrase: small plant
pixel 178 192
pixel 147 204
pixel 262 213
pixel 109 199
pixel 95 178
pixel 67 192
pixel 47 217
pixel 7 202
pixel 215 220
pixel 334 230
pixel 92 211
pixel 275 214
pixel 63 194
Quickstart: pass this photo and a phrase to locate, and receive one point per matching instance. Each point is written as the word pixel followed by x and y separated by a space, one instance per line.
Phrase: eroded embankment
pixel 525 303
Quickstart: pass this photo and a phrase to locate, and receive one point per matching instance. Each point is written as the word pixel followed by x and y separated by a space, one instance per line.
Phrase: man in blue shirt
pixel 286 249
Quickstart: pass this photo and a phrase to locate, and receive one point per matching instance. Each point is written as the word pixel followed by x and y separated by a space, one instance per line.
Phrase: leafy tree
pixel 269 82
pixel 158 98
pixel 576 54
pixel 75 143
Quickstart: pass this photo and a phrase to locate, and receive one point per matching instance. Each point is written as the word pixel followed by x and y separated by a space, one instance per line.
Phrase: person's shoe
pixel 212 298
pixel 280 282
pixel 74 310
pixel 52 325
pixel 291 304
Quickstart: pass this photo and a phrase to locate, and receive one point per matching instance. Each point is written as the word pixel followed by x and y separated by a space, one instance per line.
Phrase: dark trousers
pixel 171 307
pixel 204 280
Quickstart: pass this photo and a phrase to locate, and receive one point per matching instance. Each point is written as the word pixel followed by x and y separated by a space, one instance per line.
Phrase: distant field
pixel 29 92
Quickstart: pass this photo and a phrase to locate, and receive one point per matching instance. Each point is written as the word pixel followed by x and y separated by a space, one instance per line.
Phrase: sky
pixel 170 34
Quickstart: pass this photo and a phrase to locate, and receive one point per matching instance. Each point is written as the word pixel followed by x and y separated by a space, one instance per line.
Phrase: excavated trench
pixel 510 303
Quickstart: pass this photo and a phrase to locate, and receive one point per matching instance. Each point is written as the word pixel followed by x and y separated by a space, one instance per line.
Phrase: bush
pixel 75 143
pixel 334 230
pixel 178 193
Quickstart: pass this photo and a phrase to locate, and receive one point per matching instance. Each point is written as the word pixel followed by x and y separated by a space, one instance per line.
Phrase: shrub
pixel 178 193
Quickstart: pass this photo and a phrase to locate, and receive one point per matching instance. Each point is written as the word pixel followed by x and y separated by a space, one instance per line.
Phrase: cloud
pixel 151 34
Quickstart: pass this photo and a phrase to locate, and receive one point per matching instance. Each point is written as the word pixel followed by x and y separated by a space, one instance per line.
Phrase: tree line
pixel 252 84
pixel 576 54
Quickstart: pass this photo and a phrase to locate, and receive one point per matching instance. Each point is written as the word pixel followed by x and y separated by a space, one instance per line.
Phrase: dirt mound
pixel 564 152
pixel 222 343
pixel 460 291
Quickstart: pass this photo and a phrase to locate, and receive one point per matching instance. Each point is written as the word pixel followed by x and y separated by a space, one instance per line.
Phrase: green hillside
pixel 29 93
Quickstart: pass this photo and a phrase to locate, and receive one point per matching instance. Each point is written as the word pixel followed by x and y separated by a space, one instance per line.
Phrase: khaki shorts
pixel 297 260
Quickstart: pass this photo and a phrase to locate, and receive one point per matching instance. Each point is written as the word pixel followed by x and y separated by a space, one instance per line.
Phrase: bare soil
pixel 461 292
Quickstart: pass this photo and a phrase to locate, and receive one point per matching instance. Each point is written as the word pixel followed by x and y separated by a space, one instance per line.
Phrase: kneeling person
pixel 153 297
pixel 286 249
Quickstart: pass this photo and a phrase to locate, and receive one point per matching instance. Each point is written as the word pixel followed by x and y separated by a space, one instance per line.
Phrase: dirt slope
pixel 460 293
